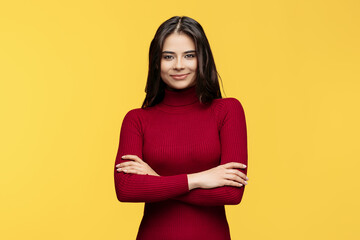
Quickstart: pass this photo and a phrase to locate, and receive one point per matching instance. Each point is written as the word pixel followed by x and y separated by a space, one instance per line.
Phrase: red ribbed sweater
pixel 177 137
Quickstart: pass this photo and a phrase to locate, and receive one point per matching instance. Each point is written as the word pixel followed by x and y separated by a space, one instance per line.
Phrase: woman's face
pixel 178 61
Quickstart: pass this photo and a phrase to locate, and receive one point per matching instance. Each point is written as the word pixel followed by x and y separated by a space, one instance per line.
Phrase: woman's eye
pixel 190 56
pixel 168 57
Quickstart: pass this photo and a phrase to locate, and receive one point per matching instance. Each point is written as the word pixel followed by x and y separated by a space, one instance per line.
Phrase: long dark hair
pixel 207 83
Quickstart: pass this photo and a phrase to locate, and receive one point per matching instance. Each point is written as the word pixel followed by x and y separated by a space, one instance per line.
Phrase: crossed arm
pixel 206 180
pixel 142 184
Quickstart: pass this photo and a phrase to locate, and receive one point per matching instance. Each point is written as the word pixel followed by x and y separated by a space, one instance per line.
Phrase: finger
pixel 235 165
pixel 237 172
pixel 129 156
pixel 125 161
pixel 232 183
pixel 138 160
pixel 128 163
pixel 133 170
pixel 133 157
pixel 127 168
pixel 236 178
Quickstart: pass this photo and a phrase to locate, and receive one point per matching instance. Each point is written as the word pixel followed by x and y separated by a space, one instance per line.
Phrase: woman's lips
pixel 179 77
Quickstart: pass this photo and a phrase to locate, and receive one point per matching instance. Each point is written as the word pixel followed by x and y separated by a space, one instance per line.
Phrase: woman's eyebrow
pixel 190 51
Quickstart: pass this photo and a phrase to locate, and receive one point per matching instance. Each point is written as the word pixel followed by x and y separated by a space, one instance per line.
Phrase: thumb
pixel 137 159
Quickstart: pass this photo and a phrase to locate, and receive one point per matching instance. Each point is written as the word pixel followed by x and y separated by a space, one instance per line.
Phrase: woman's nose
pixel 179 64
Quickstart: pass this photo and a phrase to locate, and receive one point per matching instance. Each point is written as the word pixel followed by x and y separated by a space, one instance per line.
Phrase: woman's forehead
pixel 180 43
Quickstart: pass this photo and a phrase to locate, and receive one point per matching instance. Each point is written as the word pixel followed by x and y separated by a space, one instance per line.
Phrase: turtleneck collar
pixel 180 97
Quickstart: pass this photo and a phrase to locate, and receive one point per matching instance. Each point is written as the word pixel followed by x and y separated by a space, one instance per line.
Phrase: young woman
pixel 184 152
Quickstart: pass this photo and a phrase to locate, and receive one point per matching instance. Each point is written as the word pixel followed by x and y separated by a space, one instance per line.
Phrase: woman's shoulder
pixel 140 111
pixel 227 108
pixel 227 104
pixel 139 115
pixel 136 113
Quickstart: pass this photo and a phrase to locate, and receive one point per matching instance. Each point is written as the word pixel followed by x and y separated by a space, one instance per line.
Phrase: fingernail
pixel 123 156
pixel 244 165
pixel 247 178
pixel 245 182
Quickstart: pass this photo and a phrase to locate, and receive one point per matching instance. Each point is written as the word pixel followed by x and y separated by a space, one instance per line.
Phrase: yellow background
pixel 70 70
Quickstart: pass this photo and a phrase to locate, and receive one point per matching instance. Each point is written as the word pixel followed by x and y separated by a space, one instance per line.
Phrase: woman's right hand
pixel 222 175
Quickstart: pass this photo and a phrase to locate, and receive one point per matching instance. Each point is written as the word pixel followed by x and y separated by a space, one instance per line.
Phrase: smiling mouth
pixel 180 76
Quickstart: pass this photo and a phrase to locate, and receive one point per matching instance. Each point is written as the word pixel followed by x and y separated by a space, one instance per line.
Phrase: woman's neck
pixel 180 97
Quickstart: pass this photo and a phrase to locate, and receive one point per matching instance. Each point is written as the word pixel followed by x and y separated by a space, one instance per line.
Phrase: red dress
pixel 177 137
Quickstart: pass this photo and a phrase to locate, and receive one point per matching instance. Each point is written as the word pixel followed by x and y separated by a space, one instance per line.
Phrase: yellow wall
pixel 70 70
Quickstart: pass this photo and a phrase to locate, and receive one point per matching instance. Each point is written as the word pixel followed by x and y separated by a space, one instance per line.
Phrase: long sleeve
pixel 233 138
pixel 142 188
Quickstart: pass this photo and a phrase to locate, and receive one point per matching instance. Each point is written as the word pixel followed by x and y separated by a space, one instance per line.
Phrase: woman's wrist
pixel 193 181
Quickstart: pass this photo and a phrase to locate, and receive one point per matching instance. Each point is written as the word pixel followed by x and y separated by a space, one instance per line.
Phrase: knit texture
pixel 177 137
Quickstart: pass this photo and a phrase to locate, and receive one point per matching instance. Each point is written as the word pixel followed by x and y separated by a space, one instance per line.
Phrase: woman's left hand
pixel 137 166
